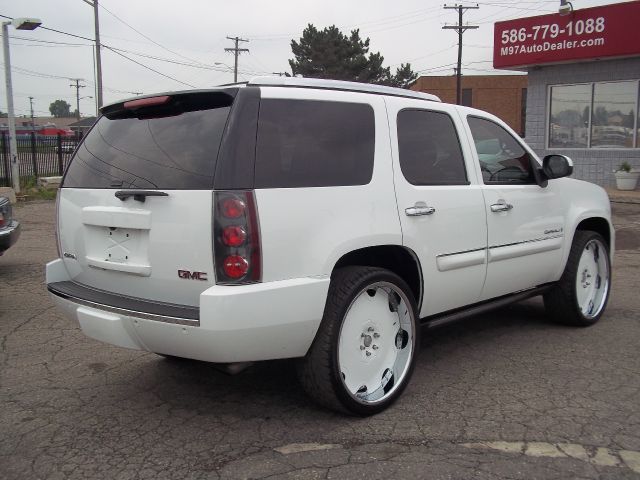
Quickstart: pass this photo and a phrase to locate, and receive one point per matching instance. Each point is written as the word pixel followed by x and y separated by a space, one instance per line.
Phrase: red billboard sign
pixel 590 33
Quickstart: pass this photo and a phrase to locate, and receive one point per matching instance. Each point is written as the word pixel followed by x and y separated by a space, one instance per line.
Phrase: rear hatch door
pixel 135 207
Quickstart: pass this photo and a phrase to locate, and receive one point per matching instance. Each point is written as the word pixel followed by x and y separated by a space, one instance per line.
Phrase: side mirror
pixel 557 166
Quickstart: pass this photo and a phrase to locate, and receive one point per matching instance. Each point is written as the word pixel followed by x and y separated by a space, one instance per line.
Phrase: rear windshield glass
pixel 166 152
pixel 309 143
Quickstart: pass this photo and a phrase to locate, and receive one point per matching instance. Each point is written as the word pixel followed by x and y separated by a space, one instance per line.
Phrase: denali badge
pixel 187 275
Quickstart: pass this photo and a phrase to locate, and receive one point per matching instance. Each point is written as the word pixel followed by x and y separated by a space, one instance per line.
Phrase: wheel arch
pixel 600 225
pixel 400 260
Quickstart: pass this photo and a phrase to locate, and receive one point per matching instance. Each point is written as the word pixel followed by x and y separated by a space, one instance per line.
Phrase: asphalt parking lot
pixel 506 395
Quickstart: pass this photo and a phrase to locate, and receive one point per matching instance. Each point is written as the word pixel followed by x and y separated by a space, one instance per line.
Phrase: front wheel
pixel 581 294
pixel 364 351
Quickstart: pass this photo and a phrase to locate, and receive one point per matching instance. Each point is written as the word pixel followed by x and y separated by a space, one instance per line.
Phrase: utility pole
pixel 94 4
pixel 77 86
pixel 237 51
pixel 33 125
pixel 460 29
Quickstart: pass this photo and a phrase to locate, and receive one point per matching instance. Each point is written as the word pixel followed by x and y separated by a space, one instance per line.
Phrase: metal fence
pixel 38 155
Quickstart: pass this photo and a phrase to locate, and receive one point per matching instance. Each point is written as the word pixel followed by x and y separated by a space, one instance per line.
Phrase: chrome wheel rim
pixel 592 279
pixel 376 343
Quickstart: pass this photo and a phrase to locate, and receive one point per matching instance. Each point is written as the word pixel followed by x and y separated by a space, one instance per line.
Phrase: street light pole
pixel 19 24
pixel 13 146
pixel 80 98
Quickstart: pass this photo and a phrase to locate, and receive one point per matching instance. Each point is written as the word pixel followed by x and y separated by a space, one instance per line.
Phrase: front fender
pixel 586 201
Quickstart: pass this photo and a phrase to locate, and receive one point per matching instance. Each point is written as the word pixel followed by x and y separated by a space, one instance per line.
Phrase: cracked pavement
pixel 506 395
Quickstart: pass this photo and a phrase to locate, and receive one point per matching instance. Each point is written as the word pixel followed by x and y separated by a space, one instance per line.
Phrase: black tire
pixel 173 358
pixel 561 301
pixel 319 371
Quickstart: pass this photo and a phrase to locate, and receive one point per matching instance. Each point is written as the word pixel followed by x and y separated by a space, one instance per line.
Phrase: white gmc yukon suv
pixel 321 220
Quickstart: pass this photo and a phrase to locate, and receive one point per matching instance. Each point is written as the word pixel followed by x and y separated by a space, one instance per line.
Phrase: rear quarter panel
pixel 304 231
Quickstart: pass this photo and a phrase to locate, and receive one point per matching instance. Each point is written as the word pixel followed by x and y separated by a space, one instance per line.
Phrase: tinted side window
pixel 429 148
pixel 502 158
pixel 308 143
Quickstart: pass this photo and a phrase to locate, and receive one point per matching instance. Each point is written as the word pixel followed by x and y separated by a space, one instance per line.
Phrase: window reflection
pixel 570 110
pixel 614 111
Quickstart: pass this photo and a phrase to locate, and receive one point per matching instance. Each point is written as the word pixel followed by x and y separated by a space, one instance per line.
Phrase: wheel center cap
pixel 367 340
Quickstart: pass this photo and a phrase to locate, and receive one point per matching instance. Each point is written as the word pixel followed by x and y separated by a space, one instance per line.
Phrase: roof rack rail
pixel 299 82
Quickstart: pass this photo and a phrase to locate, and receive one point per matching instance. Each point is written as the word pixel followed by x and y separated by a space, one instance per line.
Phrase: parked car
pixel 9 228
pixel 321 220
pixel 66 147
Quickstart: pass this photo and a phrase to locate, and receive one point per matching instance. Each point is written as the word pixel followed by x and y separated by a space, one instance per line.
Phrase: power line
pixel 154 57
pixel 118 52
pixel 386 20
pixel 145 36
pixel 423 56
pixel 32 73
pixel 114 51
pixel 148 68
pixel 460 28
pixel 236 51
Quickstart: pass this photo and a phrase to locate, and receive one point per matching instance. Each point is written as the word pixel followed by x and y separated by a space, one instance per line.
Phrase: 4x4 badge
pixel 188 275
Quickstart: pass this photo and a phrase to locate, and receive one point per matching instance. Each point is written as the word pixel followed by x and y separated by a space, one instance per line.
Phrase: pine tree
pixel 333 55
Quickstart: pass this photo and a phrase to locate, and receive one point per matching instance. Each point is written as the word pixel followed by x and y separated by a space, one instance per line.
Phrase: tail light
pixel 5 212
pixel 236 238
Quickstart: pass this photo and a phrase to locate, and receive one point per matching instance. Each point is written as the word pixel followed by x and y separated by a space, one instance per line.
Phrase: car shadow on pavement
pixel 270 388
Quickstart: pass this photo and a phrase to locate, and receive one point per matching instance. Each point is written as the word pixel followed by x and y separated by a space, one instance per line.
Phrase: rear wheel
pixel 581 294
pixel 364 352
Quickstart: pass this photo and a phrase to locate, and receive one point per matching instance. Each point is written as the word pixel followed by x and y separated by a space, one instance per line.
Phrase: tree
pixel 333 55
pixel 60 108
pixel 404 76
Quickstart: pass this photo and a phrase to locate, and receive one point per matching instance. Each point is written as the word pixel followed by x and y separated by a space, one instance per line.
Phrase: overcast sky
pixel 194 32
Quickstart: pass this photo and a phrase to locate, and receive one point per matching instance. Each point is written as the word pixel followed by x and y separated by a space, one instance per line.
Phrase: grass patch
pixel 43 194
pixel 29 187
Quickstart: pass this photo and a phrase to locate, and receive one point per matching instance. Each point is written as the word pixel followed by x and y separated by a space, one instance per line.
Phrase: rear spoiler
pixel 170 104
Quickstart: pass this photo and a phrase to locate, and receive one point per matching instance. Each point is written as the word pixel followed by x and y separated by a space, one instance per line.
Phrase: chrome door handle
pixel 501 206
pixel 419 210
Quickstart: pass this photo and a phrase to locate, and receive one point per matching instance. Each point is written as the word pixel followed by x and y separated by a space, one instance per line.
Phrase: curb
pixel 617 196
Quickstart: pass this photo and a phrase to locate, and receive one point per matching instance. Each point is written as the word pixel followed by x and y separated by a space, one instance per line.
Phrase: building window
pixel 594 115
pixel 467 97
pixel 570 112
pixel 614 107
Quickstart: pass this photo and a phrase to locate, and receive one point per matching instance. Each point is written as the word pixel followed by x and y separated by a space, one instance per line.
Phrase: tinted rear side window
pixel 171 152
pixel 429 149
pixel 306 143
